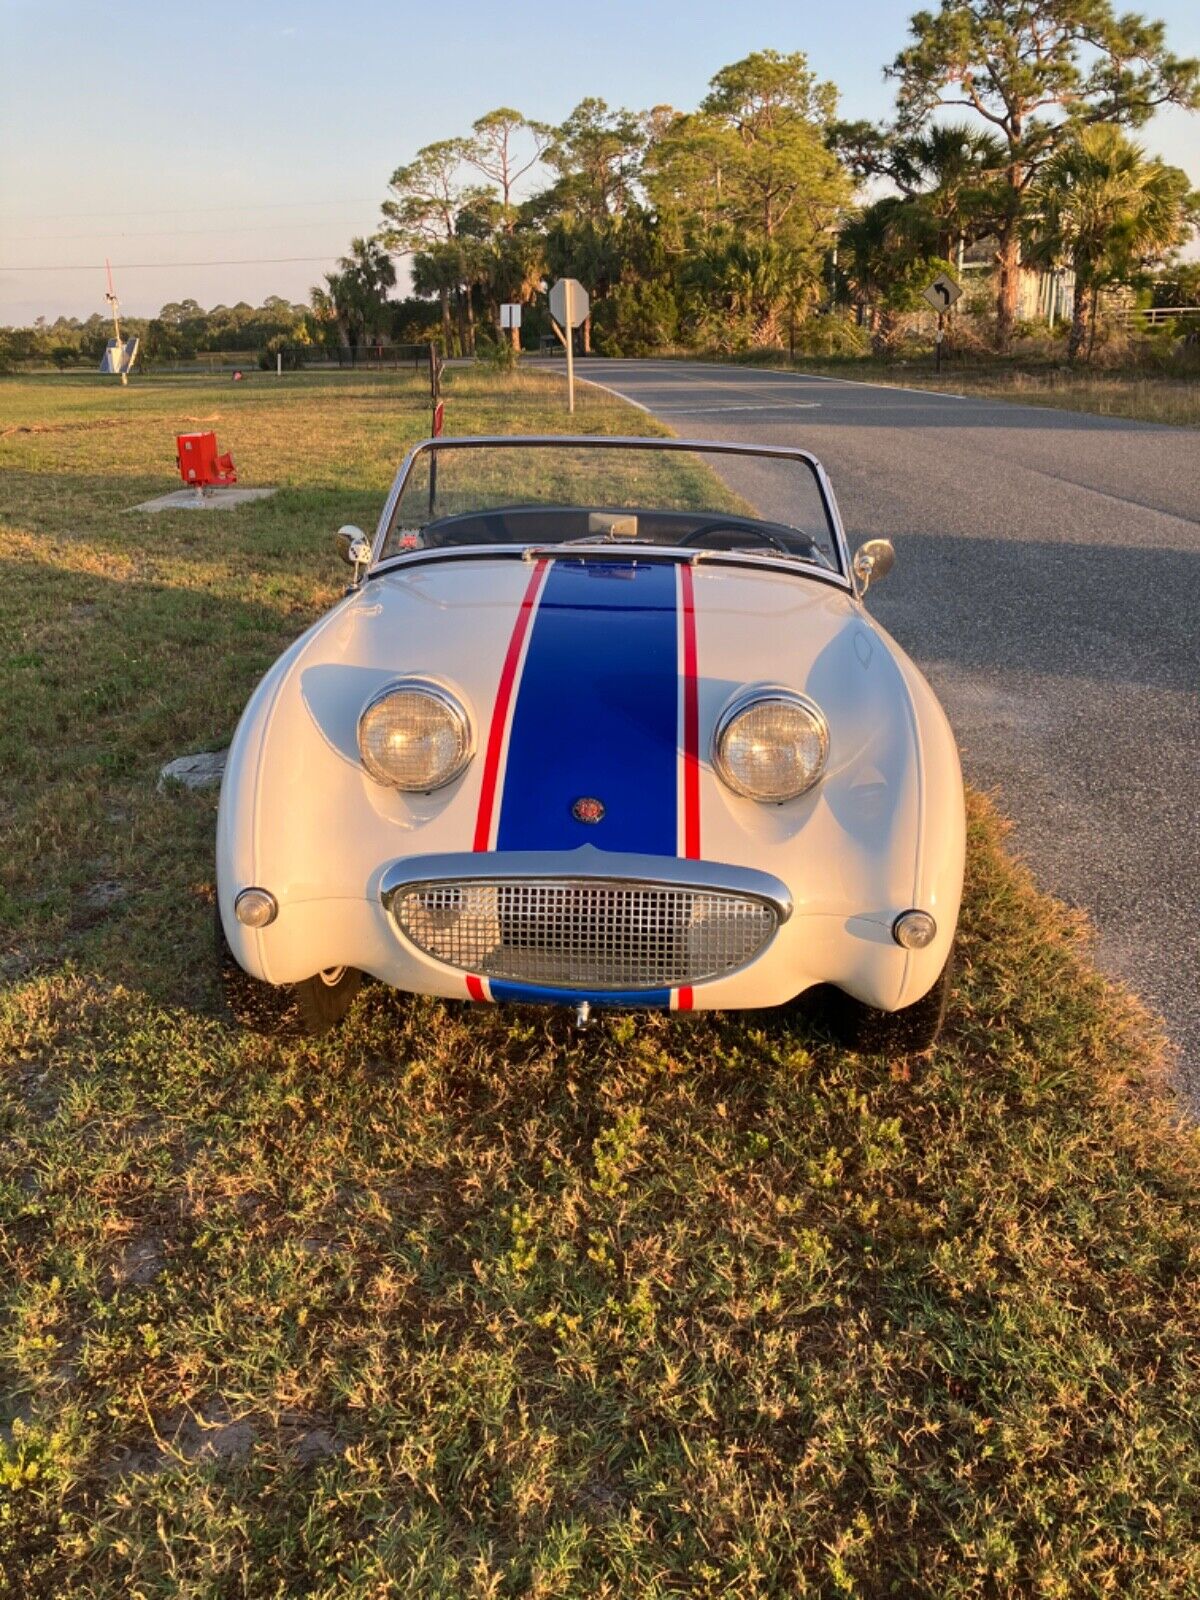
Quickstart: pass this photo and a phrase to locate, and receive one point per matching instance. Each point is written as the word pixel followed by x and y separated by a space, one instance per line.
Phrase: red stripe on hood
pixel 691 719
pixel 504 695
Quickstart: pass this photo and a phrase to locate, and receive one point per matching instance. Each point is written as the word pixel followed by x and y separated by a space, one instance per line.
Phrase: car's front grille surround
pixel 585 933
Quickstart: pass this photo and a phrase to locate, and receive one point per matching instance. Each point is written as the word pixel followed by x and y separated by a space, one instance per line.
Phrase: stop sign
pixel 569 289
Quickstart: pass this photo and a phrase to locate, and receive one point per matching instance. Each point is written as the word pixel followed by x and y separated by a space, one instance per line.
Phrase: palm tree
pixel 356 294
pixel 512 268
pixel 439 270
pixel 888 252
pixel 951 168
pixel 749 284
pixel 1102 208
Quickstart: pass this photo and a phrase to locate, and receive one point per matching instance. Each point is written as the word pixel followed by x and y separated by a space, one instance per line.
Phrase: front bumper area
pixel 811 942
pixel 615 928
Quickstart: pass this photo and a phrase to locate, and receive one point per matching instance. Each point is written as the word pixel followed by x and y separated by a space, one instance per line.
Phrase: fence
pixel 1156 316
pixel 334 358
pixel 310 357
pixel 370 356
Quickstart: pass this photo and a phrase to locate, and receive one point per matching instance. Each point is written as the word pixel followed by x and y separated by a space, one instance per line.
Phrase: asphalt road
pixel 1048 583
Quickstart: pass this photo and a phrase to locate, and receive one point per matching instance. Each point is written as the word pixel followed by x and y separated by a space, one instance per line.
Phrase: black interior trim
pixel 551 524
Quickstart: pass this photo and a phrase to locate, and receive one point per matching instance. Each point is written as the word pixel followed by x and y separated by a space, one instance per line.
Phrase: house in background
pixel 1041 295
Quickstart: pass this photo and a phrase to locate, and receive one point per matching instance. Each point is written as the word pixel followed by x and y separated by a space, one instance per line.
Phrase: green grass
pixel 1137 393
pixel 462 1304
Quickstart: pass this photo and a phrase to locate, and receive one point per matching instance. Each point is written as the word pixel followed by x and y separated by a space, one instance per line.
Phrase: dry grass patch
pixel 1143 396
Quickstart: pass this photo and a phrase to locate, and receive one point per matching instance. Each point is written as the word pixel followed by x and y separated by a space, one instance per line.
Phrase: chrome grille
pixel 586 933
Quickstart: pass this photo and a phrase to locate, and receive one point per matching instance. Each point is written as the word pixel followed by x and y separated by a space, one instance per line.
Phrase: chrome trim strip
pixel 632 442
pixel 587 865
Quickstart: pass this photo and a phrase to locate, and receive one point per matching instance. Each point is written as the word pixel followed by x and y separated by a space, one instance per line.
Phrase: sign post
pixel 569 306
pixel 510 322
pixel 568 285
pixel 941 295
pixel 437 420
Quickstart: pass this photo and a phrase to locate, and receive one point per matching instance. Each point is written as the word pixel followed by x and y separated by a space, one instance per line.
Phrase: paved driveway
pixel 1048 583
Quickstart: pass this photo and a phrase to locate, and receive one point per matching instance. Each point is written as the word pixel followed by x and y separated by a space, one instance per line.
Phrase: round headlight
pixel 414 736
pixel 771 745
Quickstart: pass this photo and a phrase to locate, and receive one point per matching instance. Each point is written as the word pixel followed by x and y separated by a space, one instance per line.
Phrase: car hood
pixel 591 679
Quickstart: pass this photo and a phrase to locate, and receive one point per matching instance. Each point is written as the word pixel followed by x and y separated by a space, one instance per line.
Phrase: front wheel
pixel 311 1007
pixel 908 1031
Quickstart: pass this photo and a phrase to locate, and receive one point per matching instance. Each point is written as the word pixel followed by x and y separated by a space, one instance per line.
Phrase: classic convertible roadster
pixel 600 722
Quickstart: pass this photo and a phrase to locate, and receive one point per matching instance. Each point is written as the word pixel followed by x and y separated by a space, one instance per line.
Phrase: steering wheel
pixel 762 535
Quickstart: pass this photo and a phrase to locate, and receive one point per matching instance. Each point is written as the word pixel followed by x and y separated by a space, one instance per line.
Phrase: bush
pixel 834 334
pixel 494 350
pixel 635 320
pixel 280 345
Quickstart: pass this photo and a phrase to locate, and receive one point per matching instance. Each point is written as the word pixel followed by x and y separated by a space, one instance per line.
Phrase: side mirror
pixel 872 561
pixel 354 548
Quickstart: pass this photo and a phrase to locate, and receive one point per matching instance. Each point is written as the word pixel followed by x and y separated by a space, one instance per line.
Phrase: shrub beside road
pixel 459 1302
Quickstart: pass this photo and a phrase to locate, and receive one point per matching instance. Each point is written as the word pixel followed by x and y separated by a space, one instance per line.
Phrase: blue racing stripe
pixel 621 999
pixel 597 713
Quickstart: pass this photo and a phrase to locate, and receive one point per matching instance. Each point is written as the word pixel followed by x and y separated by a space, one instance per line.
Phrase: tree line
pixel 184 330
pixel 761 210
pixel 761 216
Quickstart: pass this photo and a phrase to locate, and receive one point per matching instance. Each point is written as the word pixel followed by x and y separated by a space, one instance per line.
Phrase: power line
pixel 177 211
pixel 168 266
pixel 160 233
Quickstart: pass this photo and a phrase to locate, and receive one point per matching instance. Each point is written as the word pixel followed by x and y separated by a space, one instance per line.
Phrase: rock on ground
pixel 201 771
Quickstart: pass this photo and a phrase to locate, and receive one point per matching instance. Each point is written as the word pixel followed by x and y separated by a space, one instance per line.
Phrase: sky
pixel 166 136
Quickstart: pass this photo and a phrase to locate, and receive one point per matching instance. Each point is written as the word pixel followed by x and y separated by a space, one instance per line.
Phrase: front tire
pixel 309 1008
pixel 909 1031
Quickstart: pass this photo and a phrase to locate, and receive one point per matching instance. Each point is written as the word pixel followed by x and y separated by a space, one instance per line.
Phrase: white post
pixel 279 363
pixel 570 332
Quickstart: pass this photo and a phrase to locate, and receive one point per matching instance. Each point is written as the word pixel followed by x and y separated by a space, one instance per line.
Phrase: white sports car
pixel 600 722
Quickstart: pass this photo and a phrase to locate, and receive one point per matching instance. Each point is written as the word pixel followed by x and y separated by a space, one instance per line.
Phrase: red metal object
pixel 199 464
pixel 439 418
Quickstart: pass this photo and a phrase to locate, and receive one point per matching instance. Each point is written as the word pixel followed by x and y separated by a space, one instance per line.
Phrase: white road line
pixel 608 388
pixel 778 405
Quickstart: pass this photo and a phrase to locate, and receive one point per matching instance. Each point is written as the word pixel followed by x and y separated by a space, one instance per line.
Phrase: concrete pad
pixel 220 499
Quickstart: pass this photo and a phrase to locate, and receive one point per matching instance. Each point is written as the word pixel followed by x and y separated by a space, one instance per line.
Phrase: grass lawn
pixel 459 1303
pixel 1146 397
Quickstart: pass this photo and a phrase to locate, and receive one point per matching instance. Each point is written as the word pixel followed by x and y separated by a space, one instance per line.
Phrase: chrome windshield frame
pixel 843 577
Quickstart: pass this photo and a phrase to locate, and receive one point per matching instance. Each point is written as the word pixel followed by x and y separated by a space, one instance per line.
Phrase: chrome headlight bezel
pixel 448 702
pixel 759 695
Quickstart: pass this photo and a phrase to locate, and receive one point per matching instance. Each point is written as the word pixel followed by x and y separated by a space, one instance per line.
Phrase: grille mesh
pixel 585 934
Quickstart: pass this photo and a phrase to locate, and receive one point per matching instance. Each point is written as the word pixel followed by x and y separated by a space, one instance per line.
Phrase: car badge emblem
pixel 588 809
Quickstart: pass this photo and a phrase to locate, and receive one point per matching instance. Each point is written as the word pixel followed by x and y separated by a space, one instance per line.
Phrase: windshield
pixel 524 492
